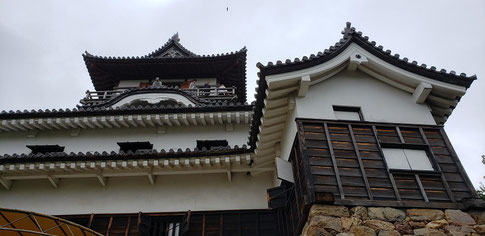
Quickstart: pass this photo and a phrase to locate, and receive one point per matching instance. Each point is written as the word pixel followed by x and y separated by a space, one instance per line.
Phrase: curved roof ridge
pixel 351 35
pixel 173 41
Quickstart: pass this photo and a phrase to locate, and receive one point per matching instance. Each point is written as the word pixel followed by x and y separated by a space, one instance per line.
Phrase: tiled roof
pixel 174 41
pixel 351 35
pixel 139 154
pixel 229 68
pixel 130 110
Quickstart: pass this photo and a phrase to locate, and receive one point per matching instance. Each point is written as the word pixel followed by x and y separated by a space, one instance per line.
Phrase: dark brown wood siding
pixel 346 159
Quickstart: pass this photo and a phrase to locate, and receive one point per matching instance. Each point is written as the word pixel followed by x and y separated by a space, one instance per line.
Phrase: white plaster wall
pixel 379 102
pixel 135 194
pixel 106 139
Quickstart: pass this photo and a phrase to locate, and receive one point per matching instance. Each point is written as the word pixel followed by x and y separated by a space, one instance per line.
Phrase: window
pixel 348 113
pixel 407 159
pixel 43 149
pixel 134 146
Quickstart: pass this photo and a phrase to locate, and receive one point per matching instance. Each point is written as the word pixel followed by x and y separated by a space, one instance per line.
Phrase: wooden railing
pixel 219 93
pixel 96 97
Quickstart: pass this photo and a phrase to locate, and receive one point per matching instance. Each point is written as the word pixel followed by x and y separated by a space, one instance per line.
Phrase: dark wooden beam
pixel 221 225
pixel 400 204
pixel 334 162
pixel 90 222
pixel 437 166
pixel 60 227
pixel 109 225
pixel 366 123
pixel 421 188
pixel 400 134
pixel 8 221
pixel 306 165
pixel 203 225
pixel 127 228
pixel 458 164
pixel 391 177
pixel 361 165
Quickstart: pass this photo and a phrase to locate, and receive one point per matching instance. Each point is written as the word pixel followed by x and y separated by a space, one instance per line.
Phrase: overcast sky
pixel 42 42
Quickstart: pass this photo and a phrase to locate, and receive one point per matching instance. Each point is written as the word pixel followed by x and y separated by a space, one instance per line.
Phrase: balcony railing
pixel 97 97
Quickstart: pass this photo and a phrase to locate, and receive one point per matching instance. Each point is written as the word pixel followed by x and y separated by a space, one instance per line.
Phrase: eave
pixel 123 118
pixel 146 166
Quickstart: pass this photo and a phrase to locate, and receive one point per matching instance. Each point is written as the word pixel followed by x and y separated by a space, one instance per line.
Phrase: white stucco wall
pixel 106 139
pixel 379 102
pixel 135 194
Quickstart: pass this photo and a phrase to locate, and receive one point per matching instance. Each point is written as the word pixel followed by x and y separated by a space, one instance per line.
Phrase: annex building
pixel 168 144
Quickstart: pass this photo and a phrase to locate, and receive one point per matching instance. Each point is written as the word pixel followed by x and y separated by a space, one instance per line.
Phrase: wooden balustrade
pixel 96 97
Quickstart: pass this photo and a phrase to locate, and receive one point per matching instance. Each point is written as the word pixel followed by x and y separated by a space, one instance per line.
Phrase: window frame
pixel 348 109
pixel 411 146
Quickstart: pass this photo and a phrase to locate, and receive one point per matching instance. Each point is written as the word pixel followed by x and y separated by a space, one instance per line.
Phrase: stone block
pixel 392 214
pixel 417 224
pixel 428 232
pixel 437 224
pixel 479 229
pixel 329 224
pixel 328 210
pixel 362 231
pixel 376 213
pixel 379 225
pixel 360 212
pixel 455 230
pixel 457 217
pixel 316 232
pixel 345 234
pixel 346 223
pixel 403 227
pixel 389 233
pixel 425 214
pixel 478 216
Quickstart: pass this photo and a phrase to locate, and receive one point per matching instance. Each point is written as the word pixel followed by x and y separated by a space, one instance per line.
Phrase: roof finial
pixel 175 37
pixel 347 28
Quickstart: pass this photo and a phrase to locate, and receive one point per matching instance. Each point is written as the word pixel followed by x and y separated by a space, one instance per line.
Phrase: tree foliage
pixel 481 188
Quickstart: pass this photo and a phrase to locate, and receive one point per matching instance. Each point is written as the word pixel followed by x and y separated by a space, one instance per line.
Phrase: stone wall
pixel 386 221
